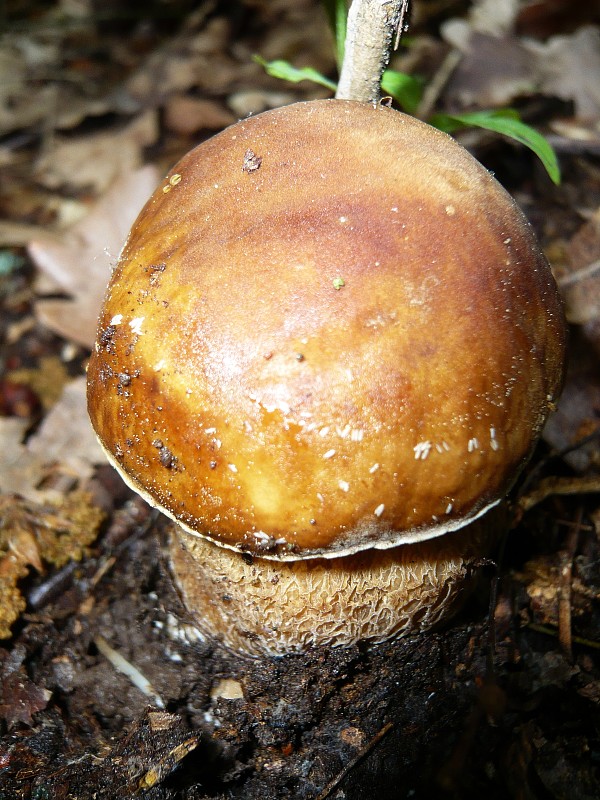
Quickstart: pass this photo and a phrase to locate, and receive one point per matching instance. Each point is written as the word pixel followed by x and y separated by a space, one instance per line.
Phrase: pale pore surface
pixel 270 608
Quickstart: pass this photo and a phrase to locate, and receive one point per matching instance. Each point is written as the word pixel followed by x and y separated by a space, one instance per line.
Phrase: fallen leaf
pixel 568 67
pixel 195 58
pixel 65 437
pixel 543 18
pixel 497 67
pixel 580 284
pixel 37 87
pixel 576 418
pixel 21 103
pixel 94 162
pixel 21 698
pixel 496 17
pixel 79 262
pixel 17 472
pixel 246 102
pixel 492 72
pixel 187 115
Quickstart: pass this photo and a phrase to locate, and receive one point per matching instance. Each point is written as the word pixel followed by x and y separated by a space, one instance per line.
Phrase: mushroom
pixel 326 352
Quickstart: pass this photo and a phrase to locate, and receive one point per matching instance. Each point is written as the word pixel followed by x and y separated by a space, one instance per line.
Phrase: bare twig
pixel 374 27
pixel 436 86
pixel 351 764
pixel 565 635
pixel 579 275
pixel 123 666
pixel 548 631
pixel 524 492
pixel 587 484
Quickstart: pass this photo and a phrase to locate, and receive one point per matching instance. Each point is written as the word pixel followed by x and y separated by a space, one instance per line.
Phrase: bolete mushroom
pixel 327 350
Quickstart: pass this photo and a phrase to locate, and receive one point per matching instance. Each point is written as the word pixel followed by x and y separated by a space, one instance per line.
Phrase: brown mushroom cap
pixel 330 329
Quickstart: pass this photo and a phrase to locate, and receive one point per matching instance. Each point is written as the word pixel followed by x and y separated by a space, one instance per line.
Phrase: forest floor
pixel 106 689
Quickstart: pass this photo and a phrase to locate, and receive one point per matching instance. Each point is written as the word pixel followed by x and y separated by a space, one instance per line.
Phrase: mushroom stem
pixel 257 607
pixel 374 27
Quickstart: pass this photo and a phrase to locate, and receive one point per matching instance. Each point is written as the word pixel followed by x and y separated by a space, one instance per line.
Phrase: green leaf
pixel 406 90
pixel 286 72
pixel 454 122
pixel 337 14
pixel 508 123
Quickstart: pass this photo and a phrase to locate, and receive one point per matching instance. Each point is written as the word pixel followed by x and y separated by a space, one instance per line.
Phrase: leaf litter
pixel 83 724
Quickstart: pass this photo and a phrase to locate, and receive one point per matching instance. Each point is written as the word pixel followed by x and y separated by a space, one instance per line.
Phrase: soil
pixel 108 691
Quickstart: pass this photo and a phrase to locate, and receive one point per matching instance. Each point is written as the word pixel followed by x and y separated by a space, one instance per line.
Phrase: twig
pixel 435 87
pixel 557 454
pixel 106 564
pixel 493 602
pixel 122 665
pixel 534 626
pixel 579 275
pixel 351 764
pixel 565 635
pixel 374 27
pixel 559 486
pixel 568 523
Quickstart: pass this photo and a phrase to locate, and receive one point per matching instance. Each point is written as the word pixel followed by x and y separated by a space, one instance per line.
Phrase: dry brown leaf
pixel 494 16
pixel 495 66
pixel 543 18
pixel 577 418
pixel 187 115
pixel 36 88
pixel 47 380
pixel 65 438
pixel 492 72
pixel 245 102
pixel 66 435
pixel 79 263
pixel 19 234
pixel 580 285
pixel 498 67
pixel 569 67
pixel 581 138
pixel 194 58
pixel 21 102
pixel 94 162
pixel 20 697
pixel 17 471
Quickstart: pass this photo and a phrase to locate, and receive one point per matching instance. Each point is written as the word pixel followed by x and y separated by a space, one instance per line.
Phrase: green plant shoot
pixel 407 91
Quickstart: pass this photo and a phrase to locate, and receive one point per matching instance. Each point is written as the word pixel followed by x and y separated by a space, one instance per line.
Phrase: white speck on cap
pixel 136 325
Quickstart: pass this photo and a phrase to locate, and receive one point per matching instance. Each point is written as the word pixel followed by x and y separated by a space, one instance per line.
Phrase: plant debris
pixel 503 702
pixel 33 534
